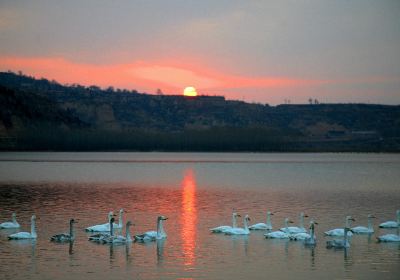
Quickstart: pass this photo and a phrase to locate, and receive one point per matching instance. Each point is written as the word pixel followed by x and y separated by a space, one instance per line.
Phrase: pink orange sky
pixel 261 51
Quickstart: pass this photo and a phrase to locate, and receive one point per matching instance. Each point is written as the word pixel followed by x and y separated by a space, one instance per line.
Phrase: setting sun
pixel 189 91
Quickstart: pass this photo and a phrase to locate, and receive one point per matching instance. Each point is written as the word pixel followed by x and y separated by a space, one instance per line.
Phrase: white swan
pixel 240 231
pixel 389 238
pixel 153 235
pixel 312 240
pixel 340 231
pixel 300 228
pixel 263 226
pixel 304 235
pixel 391 224
pixel 366 230
pixel 65 237
pixel 102 227
pixel 280 234
pixel 120 224
pixel 222 229
pixel 119 239
pixel 26 235
pixel 12 224
pixel 340 243
pixel 98 237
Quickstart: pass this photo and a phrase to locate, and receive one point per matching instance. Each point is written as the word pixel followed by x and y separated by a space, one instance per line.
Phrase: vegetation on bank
pixel 44 115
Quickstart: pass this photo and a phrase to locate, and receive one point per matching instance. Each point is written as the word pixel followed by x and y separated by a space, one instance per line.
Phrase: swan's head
pixel 370 216
pixel 162 218
pixel 112 220
pixel 121 211
pixel 110 214
pixel 236 215
pixel 270 213
pixel 129 223
pixel 247 218
pixel 33 218
pixel 14 216
pixel 350 218
pixel 303 215
pixel 288 221
pixel 72 221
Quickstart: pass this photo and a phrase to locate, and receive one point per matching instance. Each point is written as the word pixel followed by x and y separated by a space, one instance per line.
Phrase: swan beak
pixel 165 218
pixel 290 222
pixel 305 216
pixel 271 214
pixel 352 219
pixel 315 223
pixel 373 217
pixel 238 215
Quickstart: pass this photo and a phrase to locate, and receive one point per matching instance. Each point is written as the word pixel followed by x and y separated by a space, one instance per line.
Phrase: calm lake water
pixel 197 191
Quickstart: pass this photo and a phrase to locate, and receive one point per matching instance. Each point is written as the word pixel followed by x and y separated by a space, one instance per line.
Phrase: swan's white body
pixel 65 237
pixel 240 231
pixel 263 226
pixel 12 224
pixel 392 224
pixel 311 240
pixel 340 243
pixel 340 231
pixel 365 230
pixel 26 235
pixel 153 235
pixel 299 229
pixel 106 227
pixel 223 229
pixel 102 227
pixel 389 238
pixel 279 234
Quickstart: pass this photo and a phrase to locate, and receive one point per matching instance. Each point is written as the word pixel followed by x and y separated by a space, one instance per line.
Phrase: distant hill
pixel 44 115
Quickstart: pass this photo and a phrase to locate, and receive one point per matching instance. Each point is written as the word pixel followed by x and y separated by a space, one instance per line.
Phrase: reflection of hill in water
pixel 39 114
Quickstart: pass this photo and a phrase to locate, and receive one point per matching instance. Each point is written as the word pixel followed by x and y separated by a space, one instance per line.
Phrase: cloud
pixel 143 75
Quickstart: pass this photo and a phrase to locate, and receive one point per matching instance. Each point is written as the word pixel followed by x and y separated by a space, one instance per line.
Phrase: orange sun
pixel 189 91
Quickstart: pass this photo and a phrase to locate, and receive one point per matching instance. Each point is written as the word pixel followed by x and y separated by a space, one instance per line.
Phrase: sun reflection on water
pixel 189 217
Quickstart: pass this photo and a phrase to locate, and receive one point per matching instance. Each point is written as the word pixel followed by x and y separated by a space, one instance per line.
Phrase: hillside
pixel 44 115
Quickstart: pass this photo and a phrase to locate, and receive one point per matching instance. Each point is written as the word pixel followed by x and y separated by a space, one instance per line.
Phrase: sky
pixel 257 51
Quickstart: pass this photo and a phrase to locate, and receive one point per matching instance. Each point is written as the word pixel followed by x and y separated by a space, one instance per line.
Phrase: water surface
pixel 197 191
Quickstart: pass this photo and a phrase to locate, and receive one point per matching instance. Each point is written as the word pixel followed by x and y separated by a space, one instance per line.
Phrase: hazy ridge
pixel 44 115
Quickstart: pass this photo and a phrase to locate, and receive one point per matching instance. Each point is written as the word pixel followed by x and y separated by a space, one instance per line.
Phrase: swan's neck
pixel 128 234
pixel 111 228
pixel 398 217
pixel 369 223
pixel 160 228
pixel 301 221
pixel 246 226
pixel 14 219
pixel 286 224
pixel 268 219
pixel 234 221
pixel 312 233
pixel 347 223
pixel 120 219
pixel 33 229
pixel 345 237
pixel 71 230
